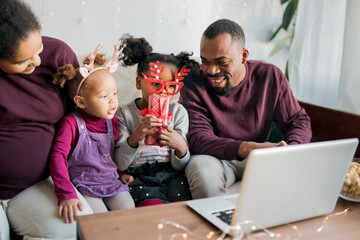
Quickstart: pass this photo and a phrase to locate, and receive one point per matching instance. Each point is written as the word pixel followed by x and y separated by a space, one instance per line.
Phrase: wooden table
pixel 143 223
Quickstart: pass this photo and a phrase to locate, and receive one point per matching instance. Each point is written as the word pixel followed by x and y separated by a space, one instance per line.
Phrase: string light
pixel 238 230
pixel 187 20
pixel 330 216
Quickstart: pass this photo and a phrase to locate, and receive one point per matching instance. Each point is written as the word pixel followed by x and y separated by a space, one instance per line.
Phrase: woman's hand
pixel 173 139
pixel 147 122
pixel 127 179
pixel 68 209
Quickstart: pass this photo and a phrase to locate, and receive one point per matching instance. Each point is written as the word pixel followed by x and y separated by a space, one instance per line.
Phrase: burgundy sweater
pixel 219 124
pixel 30 108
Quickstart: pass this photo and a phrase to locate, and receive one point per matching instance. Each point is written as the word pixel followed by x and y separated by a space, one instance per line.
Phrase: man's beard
pixel 224 90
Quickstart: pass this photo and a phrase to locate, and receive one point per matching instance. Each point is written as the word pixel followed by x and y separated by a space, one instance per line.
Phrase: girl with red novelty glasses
pixel 154 170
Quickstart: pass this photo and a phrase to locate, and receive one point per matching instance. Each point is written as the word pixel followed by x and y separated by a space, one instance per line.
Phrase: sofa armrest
pixel 331 124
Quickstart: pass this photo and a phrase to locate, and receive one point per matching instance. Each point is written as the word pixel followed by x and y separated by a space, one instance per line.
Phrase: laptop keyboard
pixel 224 215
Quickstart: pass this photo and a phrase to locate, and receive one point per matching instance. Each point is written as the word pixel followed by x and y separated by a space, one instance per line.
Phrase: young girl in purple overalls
pixel 84 145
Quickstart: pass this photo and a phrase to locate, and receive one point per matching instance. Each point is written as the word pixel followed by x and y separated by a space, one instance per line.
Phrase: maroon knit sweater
pixel 219 124
pixel 30 108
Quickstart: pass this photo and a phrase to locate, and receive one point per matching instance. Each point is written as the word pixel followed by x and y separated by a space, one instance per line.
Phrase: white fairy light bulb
pixel 83 20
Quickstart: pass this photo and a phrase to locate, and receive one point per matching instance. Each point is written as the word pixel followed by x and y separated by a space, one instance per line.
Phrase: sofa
pixel 327 124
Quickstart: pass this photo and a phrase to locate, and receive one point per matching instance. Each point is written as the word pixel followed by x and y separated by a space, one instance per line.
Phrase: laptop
pixel 282 185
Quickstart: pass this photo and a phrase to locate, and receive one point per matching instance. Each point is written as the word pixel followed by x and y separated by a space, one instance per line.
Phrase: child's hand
pixel 173 139
pixel 142 129
pixel 127 179
pixel 68 209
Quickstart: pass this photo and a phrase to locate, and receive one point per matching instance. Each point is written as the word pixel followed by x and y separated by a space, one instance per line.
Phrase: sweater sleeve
pixel 181 125
pixel 58 161
pixel 201 136
pixel 124 154
pixel 290 117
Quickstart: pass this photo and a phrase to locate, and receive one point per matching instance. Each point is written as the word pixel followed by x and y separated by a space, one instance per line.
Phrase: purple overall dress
pixel 91 168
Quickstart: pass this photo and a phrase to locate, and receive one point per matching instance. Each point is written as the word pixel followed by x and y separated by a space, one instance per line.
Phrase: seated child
pixel 153 172
pixel 83 147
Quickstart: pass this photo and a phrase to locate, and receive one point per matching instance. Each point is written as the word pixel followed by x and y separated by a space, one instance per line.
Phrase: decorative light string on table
pixel 331 216
pixel 182 232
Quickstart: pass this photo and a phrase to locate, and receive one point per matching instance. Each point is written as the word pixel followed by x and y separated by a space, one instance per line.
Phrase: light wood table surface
pixel 142 223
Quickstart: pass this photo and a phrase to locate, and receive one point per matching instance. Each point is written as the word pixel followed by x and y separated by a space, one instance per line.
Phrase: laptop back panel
pixel 282 185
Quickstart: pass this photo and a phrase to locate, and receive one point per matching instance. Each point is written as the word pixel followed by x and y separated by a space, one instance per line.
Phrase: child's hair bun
pixel 136 50
pixel 99 60
pixel 63 74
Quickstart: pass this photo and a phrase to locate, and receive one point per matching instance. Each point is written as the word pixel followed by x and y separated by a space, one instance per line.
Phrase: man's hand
pixel 246 147
pixel 68 209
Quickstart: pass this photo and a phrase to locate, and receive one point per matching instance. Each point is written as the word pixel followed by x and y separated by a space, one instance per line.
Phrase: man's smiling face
pixel 223 62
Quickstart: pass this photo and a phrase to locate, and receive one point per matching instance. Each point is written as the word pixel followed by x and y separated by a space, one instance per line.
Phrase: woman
pixel 30 108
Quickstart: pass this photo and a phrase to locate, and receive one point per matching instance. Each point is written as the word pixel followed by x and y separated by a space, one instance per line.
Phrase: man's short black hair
pixel 222 26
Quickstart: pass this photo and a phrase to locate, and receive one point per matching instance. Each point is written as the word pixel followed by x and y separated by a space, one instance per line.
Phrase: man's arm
pixel 291 118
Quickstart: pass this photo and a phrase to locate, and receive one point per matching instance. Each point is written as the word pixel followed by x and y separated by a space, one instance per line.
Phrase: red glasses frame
pixel 164 84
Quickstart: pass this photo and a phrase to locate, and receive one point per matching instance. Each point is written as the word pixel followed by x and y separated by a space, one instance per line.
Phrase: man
pixel 231 108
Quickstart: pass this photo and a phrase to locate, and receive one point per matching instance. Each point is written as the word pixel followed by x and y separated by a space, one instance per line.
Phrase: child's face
pixel 100 95
pixel 167 75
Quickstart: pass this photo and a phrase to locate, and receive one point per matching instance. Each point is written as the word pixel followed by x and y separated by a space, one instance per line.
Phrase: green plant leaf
pixel 287 70
pixel 289 13
pixel 275 33
pixel 283 1
pixel 279 46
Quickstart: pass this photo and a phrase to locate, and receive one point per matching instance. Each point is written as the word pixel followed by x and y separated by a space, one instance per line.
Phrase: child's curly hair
pixel 72 77
pixel 139 51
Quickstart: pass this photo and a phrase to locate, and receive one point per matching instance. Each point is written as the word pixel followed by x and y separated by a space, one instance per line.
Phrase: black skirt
pixel 158 181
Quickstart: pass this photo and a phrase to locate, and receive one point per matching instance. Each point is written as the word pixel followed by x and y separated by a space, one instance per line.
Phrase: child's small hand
pixel 173 139
pixel 142 129
pixel 68 209
pixel 127 179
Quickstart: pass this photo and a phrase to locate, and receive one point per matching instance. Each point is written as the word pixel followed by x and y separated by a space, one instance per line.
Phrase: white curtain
pixel 349 92
pixel 324 56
